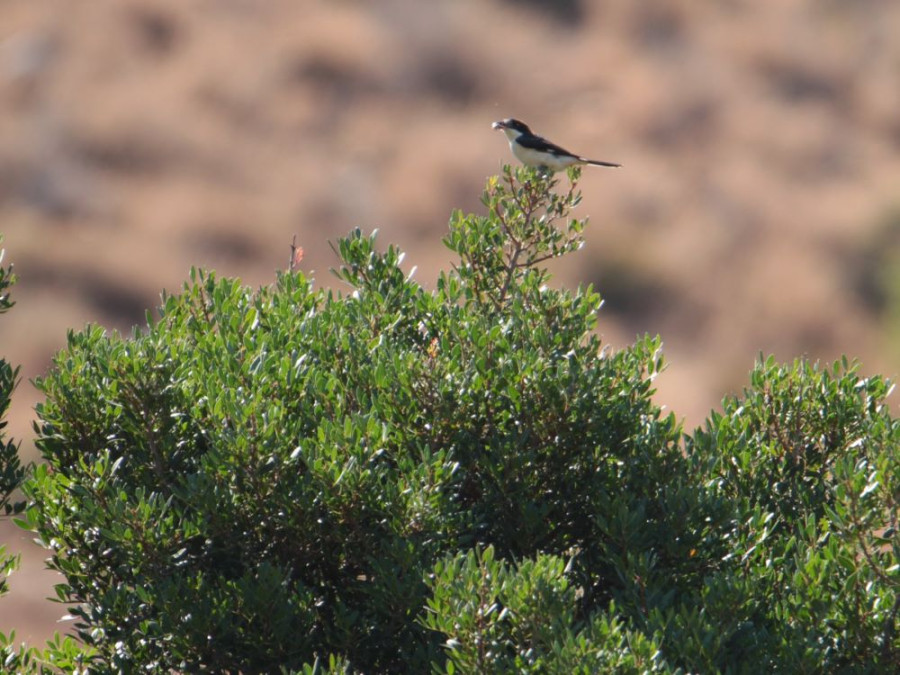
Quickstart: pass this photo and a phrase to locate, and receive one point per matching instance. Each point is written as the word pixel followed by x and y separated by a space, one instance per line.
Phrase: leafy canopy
pixel 462 479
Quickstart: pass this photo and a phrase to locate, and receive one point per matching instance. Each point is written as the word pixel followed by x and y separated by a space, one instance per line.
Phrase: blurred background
pixel 758 209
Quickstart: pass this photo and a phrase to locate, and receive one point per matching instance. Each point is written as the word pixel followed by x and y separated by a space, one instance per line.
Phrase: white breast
pixel 530 157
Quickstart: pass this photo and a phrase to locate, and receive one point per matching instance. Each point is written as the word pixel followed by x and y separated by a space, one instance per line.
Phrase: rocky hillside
pixel 758 208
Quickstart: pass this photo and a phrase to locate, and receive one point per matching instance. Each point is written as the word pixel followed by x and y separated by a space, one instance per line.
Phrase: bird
pixel 535 151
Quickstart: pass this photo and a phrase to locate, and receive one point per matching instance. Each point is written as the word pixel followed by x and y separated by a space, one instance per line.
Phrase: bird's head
pixel 512 127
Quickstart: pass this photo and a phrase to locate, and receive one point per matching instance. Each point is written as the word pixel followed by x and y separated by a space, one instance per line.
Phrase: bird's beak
pixel 498 125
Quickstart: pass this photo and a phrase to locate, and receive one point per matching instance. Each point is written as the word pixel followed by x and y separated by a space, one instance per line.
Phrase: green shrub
pixel 809 458
pixel 266 476
pixel 12 472
pixel 397 479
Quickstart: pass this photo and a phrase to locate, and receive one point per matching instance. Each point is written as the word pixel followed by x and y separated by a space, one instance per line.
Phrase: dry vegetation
pixel 757 209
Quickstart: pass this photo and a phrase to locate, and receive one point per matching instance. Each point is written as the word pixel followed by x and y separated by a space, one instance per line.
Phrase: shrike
pixel 532 150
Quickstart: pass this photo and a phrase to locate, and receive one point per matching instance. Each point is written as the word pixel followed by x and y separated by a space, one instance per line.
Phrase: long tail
pixel 598 163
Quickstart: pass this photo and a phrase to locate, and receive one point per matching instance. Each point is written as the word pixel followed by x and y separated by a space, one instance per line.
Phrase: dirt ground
pixel 758 208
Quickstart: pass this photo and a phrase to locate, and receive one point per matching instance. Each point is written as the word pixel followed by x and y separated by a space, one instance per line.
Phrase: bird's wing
pixel 543 145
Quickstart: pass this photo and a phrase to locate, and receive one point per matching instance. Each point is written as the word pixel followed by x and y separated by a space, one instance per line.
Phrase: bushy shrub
pixel 266 476
pixel 397 479
pixel 12 472
pixel 809 458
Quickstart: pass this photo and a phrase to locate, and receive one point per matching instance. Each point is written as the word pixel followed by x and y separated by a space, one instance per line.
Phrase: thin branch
pixel 510 272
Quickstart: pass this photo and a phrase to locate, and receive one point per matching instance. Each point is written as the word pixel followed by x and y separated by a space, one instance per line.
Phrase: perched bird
pixel 532 150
